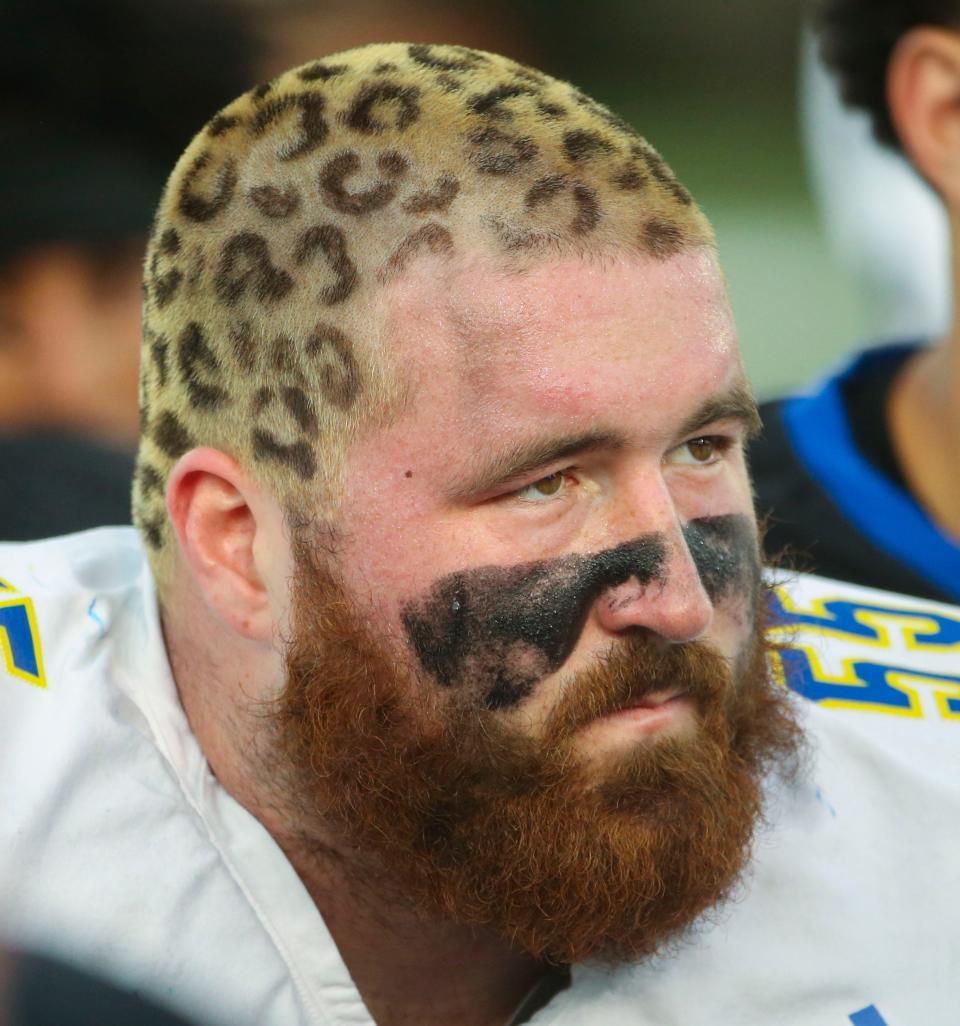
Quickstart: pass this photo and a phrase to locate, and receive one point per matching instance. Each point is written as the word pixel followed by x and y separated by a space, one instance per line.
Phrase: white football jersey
pixel 119 850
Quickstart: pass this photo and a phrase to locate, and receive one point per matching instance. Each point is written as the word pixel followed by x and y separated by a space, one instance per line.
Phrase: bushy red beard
pixel 450 810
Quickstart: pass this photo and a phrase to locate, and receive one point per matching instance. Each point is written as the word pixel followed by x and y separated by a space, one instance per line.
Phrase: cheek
pixel 498 631
pixel 727 491
pixel 725 552
pixel 393 539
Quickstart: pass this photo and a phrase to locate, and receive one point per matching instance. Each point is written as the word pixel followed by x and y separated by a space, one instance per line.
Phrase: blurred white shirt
pixel 885 224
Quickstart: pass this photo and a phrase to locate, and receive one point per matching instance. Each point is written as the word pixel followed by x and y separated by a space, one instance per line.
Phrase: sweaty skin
pixel 506 628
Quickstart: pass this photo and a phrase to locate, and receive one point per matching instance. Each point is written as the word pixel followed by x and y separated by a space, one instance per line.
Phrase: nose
pixel 674 604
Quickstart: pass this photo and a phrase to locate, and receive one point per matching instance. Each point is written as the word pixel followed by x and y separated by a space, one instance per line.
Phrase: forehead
pixel 569 338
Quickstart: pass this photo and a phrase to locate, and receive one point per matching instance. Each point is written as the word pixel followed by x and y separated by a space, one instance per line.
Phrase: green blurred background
pixel 713 85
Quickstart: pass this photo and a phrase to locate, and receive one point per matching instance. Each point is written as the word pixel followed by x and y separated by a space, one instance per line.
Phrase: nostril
pixel 654 640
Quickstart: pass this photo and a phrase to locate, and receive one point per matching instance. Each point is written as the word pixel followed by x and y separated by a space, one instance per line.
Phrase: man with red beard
pixel 459 677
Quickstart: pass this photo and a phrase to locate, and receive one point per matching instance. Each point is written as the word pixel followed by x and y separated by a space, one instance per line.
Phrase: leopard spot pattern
pixel 581 144
pixel 432 237
pixel 243 345
pixel 438 199
pixel 298 456
pixel 275 202
pixel 153 531
pixel 313 125
pixel 162 286
pixel 331 241
pixel 170 436
pixel 245 263
pixel 319 71
pixel 586 215
pixel 149 480
pixel 198 207
pixel 169 244
pixel 302 409
pixel 662 238
pixel 336 195
pixel 339 376
pixel 198 364
pixel 221 124
pixel 376 98
pixel 158 353
pixel 495 152
pixel 445 58
pixel 491 103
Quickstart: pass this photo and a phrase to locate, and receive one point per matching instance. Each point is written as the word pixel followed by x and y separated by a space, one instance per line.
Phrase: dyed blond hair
pixel 292 208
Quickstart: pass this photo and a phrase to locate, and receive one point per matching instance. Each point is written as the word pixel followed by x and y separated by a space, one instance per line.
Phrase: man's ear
pixel 231 539
pixel 923 94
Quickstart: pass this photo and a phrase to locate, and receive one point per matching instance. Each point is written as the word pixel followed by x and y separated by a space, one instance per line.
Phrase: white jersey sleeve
pixel 118 849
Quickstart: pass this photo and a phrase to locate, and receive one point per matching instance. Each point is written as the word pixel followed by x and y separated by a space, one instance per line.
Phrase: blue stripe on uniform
pixel 823 442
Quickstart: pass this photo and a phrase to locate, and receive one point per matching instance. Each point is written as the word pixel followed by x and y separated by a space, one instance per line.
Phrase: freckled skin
pixel 503 629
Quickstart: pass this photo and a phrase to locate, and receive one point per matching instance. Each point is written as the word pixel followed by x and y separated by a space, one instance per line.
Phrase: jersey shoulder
pixel 55 596
pixel 867 652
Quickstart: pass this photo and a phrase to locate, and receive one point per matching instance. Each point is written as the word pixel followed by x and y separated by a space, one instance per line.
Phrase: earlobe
pixel 218 513
pixel 923 93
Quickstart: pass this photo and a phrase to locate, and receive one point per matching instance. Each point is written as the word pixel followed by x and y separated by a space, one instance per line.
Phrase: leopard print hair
pixel 295 204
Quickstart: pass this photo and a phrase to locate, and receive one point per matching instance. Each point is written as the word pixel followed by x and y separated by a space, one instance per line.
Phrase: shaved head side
pixel 290 213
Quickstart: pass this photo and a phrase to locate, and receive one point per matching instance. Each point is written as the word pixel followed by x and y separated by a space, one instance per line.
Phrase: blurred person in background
pixel 884 223
pixel 95 99
pixel 861 476
pixel 292 32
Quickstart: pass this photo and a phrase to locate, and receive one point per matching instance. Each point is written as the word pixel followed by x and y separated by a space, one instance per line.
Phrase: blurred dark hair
pixel 97 100
pixel 857 38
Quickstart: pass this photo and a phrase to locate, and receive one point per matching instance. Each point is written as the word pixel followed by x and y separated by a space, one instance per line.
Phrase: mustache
pixel 630 673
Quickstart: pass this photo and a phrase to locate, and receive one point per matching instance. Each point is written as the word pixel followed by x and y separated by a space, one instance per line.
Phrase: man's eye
pixel 697 451
pixel 545 488
pixel 701 449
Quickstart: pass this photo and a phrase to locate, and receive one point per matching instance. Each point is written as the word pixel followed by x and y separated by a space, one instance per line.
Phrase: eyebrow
pixel 735 404
pixel 503 467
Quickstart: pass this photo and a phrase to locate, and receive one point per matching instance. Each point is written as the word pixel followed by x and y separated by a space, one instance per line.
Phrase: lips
pixel 659 711
pixel 652 701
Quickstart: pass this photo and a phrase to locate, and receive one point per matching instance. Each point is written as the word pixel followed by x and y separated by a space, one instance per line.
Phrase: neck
pixel 924 419
pixel 408 969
